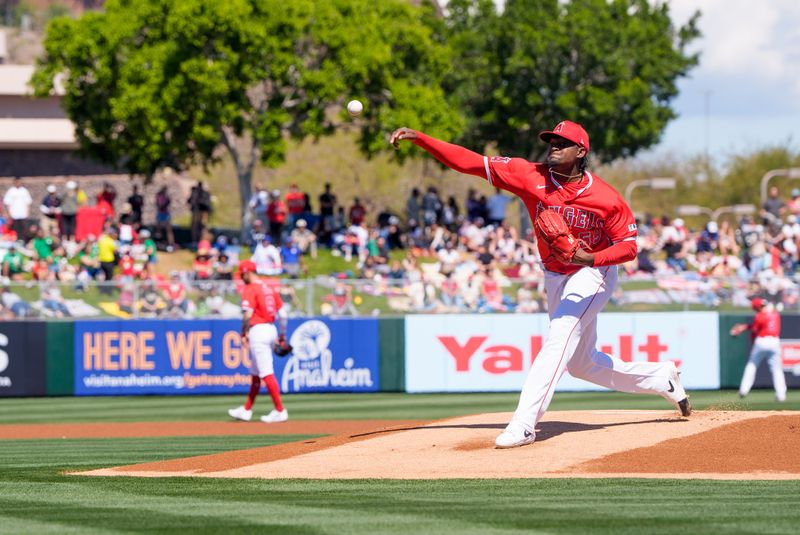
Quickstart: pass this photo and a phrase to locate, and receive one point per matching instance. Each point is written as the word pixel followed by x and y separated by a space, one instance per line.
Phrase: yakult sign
pixel 493 352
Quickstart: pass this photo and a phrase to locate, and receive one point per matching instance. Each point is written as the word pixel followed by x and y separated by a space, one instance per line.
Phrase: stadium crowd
pixel 451 259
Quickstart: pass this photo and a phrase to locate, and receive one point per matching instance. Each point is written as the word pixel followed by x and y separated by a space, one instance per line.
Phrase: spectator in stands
pixel 13 303
pixel 450 214
pixel 223 267
pixel 357 213
pixel 69 211
pixel 176 296
pixel 473 205
pixel 377 249
pixel 150 252
pixel 708 239
pixel 258 206
pixel 200 206
pixel 53 301
pixel 126 301
pixel 267 258
pixel 773 208
pixel 340 301
pixel 257 234
pixel 136 202
pixel 17 201
pixel 304 238
pixel 151 304
pixel 793 206
pixel 448 258
pixel 126 225
pixel 276 214
pixel 50 208
pixel 431 206
pixel 673 244
pixel 13 263
pixel 42 244
pixel 450 294
pixel 107 255
pixel 295 205
pixel 396 271
pixel 496 207
pixel 727 240
pixel 292 259
pixel 89 258
pixel 202 267
pixel 414 206
pixel 327 209
pixel 290 300
pixel 205 242
pixel 107 197
pixel 394 235
pixel 164 218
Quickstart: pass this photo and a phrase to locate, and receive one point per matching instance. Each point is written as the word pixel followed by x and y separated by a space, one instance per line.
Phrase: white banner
pixel 493 352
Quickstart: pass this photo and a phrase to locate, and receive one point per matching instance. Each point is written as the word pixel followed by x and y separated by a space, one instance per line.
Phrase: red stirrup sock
pixel 255 385
pixel 274 391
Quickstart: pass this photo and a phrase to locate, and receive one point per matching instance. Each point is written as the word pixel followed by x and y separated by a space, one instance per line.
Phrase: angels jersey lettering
pixel 594 211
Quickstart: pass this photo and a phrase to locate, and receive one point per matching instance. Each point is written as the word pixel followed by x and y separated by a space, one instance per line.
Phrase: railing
pixel 331 296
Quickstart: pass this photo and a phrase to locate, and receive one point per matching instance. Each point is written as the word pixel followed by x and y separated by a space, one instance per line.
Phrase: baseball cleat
pixel 685 407
pixel 240 413
pixel 676 394
pixel 275 416
pixel 513 437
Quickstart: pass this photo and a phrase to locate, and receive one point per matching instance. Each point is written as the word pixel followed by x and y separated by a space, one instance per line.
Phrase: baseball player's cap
pixel 247 266
pixel 568 130
pixel 757 303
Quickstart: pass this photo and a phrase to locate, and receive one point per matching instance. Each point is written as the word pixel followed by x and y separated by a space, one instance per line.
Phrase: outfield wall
pixel 418 353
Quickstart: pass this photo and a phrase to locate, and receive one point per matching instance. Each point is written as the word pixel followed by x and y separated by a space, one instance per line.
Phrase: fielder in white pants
pixel 766 332
pixel 765 348
pixel 574 302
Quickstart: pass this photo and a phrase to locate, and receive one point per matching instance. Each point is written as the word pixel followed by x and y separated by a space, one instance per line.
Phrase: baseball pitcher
pixel 584 230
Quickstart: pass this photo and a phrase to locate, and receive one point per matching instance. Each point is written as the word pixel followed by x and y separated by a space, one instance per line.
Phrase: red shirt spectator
pixel 295 200
pixel 357 212
pixel 128 265
pixel 202 266
pixel 276 211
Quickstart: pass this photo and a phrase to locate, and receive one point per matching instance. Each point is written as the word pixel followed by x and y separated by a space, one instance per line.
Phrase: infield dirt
pixel 651 444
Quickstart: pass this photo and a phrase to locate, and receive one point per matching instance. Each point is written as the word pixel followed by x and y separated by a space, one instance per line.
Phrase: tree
pixel 611 65
pixel 172 83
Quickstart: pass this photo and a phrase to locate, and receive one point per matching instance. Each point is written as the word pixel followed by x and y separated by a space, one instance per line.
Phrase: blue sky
pixel 750 70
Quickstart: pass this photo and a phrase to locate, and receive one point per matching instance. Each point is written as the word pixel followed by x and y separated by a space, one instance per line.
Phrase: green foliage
pixel 610 65
pixel 156 83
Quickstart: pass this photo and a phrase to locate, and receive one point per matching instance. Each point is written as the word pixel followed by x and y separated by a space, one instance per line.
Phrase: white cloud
pixel 746 38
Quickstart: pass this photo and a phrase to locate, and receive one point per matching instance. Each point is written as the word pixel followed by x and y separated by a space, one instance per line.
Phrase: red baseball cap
pixel 247 266
pixel 568 130
pixel 757 303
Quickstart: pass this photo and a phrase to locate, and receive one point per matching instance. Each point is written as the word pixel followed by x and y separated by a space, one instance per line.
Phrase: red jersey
pixel 594 211
pixel 276 211
pixel 767 323
pixel 263 299
pixel 296 201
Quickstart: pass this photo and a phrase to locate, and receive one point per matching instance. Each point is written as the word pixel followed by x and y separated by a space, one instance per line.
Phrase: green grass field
pixel 37 497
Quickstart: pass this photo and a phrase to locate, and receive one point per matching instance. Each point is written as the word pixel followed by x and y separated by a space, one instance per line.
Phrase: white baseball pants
pixel 261 338
pixel 765 348
pixel 573 303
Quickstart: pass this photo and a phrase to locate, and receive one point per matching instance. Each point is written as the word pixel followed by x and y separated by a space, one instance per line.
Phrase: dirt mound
pixel 710 444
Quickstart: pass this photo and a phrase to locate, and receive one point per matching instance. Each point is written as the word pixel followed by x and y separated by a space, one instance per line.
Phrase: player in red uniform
pixel 261 305
pixel 765 332
pixel 576 291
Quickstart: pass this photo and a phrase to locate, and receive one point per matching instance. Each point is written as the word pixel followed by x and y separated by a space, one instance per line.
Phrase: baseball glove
pixel 555 232
pixel 282 347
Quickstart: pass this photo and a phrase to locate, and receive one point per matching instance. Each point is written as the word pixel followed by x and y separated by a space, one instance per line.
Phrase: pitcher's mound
pixel 710 444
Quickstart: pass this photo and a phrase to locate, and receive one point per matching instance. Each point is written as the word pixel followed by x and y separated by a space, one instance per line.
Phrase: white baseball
pixel 355 107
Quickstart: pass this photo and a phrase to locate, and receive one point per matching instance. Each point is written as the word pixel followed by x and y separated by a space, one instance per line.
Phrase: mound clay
pixel 653 444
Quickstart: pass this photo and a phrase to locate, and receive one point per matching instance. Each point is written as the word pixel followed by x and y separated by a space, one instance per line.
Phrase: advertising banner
pixel 493 352
pixel 206 357
pixel 23 358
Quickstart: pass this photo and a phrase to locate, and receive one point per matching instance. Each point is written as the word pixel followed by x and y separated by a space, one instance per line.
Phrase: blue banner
pixel 206 357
